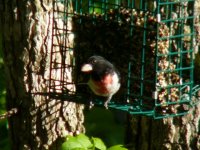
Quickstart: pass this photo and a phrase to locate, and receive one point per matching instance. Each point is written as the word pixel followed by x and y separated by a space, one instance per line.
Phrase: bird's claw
pixel 106 105
pixel 91 105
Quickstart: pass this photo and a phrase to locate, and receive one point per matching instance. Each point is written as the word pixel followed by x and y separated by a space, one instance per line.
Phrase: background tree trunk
pixel 27 28
pixel 178 133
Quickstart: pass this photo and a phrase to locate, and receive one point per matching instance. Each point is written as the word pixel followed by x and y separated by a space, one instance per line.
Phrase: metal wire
pixel 154 40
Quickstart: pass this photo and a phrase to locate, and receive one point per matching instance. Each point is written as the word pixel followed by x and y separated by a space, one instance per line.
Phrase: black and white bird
pixel 104 77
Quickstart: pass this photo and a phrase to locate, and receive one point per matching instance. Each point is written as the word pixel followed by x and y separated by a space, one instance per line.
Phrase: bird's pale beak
pixel 86 68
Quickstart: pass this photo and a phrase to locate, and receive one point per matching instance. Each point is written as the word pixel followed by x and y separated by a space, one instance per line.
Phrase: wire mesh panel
pixel 61 84
pixel 150 42
pixel 174 62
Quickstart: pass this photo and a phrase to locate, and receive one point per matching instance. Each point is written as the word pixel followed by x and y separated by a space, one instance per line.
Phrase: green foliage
pixel 83 142
pixel 5 144
pixel 106 125
pixel 4 140
pixel 79 142
pixel 2 80
pixel 2 98
pixel 2 77
pixel 117 147
pixel 98 143
pixel 97 6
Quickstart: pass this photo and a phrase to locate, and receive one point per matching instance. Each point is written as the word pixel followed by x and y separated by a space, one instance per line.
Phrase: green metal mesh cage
pixel 150 42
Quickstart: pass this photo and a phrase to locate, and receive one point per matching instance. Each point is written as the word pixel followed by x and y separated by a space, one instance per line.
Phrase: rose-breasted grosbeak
pixel 104 78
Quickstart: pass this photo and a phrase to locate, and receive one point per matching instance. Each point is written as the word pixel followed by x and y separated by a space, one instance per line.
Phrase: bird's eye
pixel 93 61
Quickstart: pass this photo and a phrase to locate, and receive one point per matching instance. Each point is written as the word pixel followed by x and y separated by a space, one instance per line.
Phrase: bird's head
pixel 92 63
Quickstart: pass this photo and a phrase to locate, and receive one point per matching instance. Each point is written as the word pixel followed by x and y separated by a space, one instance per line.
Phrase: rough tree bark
pixel 27 38
pixel 179 133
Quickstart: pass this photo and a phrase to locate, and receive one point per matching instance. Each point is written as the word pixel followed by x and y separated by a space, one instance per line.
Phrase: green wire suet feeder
pixel 150 42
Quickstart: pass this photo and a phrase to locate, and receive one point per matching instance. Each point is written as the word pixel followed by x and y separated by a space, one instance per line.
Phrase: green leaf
pixel 80 142
pixel 84 141
pixel 72 144
pixel 117 147
pixel 98 143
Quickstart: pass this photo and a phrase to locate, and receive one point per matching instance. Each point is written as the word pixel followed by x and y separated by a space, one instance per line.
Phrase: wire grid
pixel 175 64
pixel 149 41
pixel 61 84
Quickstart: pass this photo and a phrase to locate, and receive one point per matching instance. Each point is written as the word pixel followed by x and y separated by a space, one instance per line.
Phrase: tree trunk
pixel 178 133
pixel 27 29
